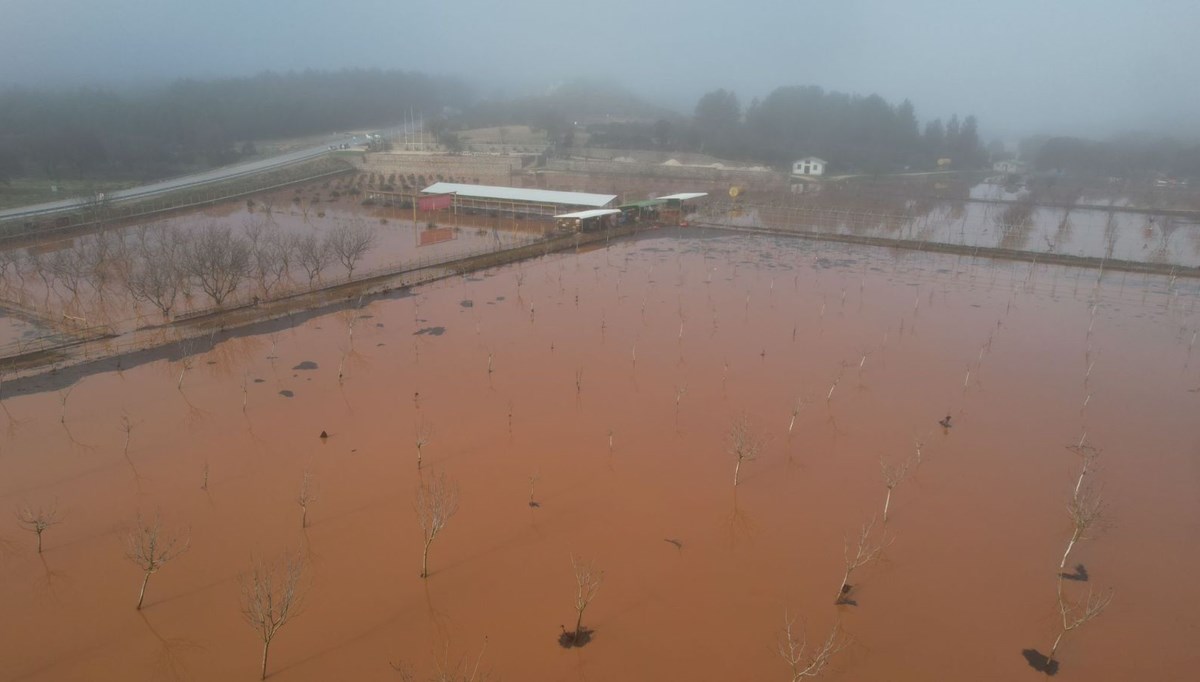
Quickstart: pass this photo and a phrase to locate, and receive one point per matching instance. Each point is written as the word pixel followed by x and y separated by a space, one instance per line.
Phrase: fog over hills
pixel 1073 66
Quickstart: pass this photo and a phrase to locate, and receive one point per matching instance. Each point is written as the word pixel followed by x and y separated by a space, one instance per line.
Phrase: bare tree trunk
pixel 266 646
pixel 425 561
pixel 1054 648
pixel 842 589
pixel 579 626
pixel 142 594
pixel 1067 553
pixel 736 468
pixel 39 536
pixel 887 501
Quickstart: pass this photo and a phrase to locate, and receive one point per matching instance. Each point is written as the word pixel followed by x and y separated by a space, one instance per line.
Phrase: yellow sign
pixel 735 191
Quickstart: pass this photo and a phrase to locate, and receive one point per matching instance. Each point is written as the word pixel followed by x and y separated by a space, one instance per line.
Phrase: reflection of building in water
pixel 744 217
pixel 436 235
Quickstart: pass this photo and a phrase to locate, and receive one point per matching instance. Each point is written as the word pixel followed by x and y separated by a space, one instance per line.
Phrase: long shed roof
pixel 593 213
pixel 684 196
pixel 534 196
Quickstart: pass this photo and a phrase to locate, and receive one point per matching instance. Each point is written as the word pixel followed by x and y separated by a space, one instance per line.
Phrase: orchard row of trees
pixel 189 124
pixel 161 265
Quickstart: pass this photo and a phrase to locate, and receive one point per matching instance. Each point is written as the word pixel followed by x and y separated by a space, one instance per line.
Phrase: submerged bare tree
pixel 864 551
pixel 151 547
pixel 424 433
pixel 1073 616
pixel 307 495
pixel 271 594
pixel 313 255
pixel 892 475
pixel 587 583
pixel 533 479
pixel 273 254
pixel 102 258
pixel 350 241
pixel 38 520
pixel 156 275
pixel 1088 456
pixel 218 260
pixel 69 267
pixel 744 444
pixel 437 502
pixel 793 649
pixel 1085 508
pixel 461 669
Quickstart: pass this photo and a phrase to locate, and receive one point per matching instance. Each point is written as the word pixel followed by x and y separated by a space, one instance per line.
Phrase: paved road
pixel 197 179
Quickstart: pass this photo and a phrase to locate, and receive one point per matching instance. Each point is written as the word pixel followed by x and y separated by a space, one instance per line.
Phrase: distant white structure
pixel 809 165
pixel 1008 167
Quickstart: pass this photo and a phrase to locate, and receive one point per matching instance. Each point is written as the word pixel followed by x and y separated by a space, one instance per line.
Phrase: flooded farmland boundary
pixel 60 361
pixel 53 366
pixel 1035 257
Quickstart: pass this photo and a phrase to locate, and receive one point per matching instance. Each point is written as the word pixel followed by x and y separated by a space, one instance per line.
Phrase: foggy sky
pixel 1090 67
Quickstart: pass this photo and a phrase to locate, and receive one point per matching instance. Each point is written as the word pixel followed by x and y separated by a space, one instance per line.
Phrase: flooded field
pixel 602 387
pixel 1158 239
pixel 83 282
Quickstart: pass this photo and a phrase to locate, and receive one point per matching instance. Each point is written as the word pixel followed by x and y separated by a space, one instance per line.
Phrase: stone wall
pixel 642 155
pixel 485 169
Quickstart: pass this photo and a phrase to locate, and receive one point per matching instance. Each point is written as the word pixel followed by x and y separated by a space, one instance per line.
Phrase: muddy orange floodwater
pixel 657 343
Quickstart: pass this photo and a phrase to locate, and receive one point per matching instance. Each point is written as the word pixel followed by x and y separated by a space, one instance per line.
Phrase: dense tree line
pixel 192 124
pixel 1122 157
pixel 852 132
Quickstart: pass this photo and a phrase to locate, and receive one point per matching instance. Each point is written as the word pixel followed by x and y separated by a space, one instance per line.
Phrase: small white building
pixel 1008 167
pixel 809 165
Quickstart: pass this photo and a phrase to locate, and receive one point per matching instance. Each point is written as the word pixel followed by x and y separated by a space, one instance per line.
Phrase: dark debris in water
pixel 1039 662
pixel 307 364
pixel 287 394
pixel 467 303
pixel 827 263
pixel 570 638
pixel 432 331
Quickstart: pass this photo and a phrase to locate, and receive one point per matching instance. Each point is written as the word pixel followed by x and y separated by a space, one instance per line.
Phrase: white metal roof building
pixel 517 200
pixel 593 213
pixel 684 196
pixel 591 219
